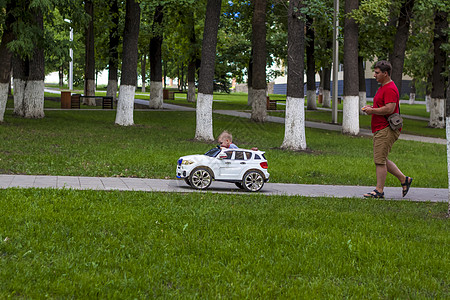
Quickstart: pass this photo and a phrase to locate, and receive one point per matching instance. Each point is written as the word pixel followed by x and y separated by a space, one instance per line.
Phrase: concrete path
pixel 162 185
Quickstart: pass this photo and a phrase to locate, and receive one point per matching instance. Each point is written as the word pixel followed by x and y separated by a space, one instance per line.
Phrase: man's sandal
pixel 374 194
pixel 407 183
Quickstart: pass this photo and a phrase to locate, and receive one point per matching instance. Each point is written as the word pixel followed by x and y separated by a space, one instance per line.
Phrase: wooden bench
pixel 272 104
pixel 75 101
pixel 170 95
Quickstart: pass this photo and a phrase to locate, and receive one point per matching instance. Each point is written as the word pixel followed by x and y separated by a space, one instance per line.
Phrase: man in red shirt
pixel 385 103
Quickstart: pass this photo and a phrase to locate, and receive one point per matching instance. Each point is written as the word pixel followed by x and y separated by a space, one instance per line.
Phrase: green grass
pixel 125 245
pixel 87 143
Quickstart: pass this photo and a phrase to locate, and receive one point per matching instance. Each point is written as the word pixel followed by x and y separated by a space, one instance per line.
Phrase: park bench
pixel 73 101
pixel 272 104
pixel 170 95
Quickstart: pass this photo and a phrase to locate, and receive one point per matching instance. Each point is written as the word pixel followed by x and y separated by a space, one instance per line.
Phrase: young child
pixel 225 140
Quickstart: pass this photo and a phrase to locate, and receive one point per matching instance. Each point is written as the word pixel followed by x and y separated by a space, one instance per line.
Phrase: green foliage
pixel 374 36
pixel 419 54
pixel 134 245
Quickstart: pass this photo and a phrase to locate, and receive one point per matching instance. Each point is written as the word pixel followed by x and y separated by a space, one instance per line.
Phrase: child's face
pixel 225 143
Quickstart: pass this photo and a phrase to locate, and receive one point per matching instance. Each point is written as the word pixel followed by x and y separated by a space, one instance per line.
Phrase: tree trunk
pixel 114 40
pixel 437 107
pixel 5 62
pixel 311 103
pixel 401 38
pixel 412 93
pixel 191 82
pixel 259 101
pixel 204 124
pixel 128 81
pixel 156 89
pixel 20 74
pixel 294 132
pixel 89 71
pixel 350 120
pixel 362 84
pixel 326 98
pixel 34 89
pixel 29 74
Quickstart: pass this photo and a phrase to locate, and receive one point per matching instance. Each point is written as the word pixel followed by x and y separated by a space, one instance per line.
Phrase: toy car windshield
pixel 213 152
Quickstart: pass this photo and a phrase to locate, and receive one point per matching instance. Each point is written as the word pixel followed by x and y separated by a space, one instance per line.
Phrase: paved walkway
pixel 163 185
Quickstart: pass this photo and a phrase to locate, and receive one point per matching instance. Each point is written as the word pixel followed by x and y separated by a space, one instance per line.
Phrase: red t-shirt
pixel 387 93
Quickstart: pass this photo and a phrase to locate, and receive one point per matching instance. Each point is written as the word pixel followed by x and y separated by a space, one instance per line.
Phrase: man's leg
pixel 381 171
pixel 394 170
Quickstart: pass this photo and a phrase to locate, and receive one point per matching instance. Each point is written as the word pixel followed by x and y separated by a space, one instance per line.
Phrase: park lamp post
pixel 71 57
pixel 334 104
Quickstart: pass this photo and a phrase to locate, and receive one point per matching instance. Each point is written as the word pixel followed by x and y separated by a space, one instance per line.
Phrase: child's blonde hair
pixel 225 135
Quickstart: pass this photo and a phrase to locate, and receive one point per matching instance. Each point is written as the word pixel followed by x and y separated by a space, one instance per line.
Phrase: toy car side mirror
pixel 222 156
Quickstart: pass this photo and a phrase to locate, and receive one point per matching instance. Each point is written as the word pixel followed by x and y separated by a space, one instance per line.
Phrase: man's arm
pixel 388 109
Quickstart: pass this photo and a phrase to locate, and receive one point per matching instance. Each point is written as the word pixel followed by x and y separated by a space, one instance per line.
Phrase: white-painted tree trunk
pixel 412 98
pixel 437 113
pixel 111 90
pixel 311 103
pixel 350 120
pixel 3 99
pixel 362 101
pixel 33 99
pixel 156 95
pixel 259 105
pixel 125 105
pixel 447 129
pixel 326 99
pixel 427 102
pixel 19 90
pixel 90 90
pixel 191 93
pixel 294 132
pixel 250 96
pixel 204 121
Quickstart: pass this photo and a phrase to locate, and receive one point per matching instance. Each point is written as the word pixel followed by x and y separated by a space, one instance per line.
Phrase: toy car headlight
pixel 187 162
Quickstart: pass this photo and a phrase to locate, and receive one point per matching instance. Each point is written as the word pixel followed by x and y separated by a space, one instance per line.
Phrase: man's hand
pixel 367 109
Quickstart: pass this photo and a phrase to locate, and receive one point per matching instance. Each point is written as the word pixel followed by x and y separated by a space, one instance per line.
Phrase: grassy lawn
pixel 125 245
pixel 88 143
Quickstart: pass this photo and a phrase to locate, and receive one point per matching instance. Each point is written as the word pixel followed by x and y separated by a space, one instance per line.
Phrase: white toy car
pixel 245 168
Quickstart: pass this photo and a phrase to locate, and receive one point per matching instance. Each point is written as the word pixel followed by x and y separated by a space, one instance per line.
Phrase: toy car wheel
pixel 239 185
pixel 253 181
pixel 187 181
pixel 200 178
